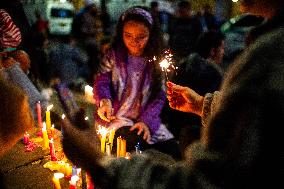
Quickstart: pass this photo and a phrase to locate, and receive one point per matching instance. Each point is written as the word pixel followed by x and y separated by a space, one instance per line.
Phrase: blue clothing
pixel 68 63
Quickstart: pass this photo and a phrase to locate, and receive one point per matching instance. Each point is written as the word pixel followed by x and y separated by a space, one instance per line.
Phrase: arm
pixel 17 76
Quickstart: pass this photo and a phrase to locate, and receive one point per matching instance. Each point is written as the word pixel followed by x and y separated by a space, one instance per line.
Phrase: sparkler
pixel 167 63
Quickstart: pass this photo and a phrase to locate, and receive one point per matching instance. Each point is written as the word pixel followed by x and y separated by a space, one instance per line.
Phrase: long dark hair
pixel 154 46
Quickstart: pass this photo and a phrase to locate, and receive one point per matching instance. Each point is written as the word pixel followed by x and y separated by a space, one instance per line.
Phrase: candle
pixel 108 149
pixel 103 132
pixel 44 136
pixel 26 139
pixel 103 142
pixel 68 169
pixel 89 94
pixel 73 182
pixel 56 181
pixel 47 117
pixel 52 150
pixel 118 146
pixel 123 148
pixel 38 110
pixel 52 131
pixel 111 137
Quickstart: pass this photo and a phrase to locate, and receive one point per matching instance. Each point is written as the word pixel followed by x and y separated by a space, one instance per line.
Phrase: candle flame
pixel 49 107
pixel 102 131
pixel 43 126
pixel 88 88
pixel 86 118
pixel 58 175
pixel 63 116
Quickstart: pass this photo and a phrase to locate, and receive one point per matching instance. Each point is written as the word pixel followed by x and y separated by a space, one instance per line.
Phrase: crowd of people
pixel 205 128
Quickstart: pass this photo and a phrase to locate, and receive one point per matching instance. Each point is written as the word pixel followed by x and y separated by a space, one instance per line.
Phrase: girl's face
pixel 135 37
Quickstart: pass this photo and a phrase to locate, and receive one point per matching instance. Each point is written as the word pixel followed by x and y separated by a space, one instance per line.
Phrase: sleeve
pixel 10 35
pixel 209 106
pixel 18 77
pixel 151 114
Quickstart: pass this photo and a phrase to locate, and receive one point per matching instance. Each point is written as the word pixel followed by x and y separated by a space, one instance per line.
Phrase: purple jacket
pixel 111 83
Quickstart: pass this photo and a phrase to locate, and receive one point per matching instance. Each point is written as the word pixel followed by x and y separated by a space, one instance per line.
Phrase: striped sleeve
pixel 10 35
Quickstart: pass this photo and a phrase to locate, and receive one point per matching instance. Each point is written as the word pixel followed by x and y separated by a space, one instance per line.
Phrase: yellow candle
pixel 47 117
pixel 103 143
pixel 118 146
pixel 56 181
pixel 68 169
pixel 103 131
pixel 111 137
pixel 45 136
pixel 123 148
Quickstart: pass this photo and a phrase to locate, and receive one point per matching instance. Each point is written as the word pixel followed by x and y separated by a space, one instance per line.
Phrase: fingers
pixel 142 128
pixel 137 126
pixel 147 135
pixel 101 113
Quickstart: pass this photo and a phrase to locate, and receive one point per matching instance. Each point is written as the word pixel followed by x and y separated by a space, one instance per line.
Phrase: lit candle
pixel 44 136
pixel 111 137
pixel 103 142
pixel 47 117
pixel 56 181
pixel 89 94
pixel 26 138
pixel 51 131
pixel 38 110
pixel 123 148
pixel 68 169
pixel 103 132
pixel 73 182
pixel 52 150
pixel 118 146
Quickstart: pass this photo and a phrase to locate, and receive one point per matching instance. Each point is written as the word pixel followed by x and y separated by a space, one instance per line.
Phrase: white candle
pixel 44 136
pixel 56 181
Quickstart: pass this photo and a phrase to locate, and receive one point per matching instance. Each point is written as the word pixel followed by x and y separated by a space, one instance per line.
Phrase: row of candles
pixel 107 137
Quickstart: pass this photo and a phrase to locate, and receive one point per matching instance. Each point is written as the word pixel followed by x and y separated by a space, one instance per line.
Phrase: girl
pixel 128 88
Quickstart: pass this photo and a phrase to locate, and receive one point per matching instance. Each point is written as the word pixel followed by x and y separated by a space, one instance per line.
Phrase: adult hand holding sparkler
pixel 105 110
pixel 184 99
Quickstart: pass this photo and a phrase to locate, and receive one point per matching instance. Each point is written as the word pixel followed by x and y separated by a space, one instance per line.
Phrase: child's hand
pixel 142 127
pixel 105 110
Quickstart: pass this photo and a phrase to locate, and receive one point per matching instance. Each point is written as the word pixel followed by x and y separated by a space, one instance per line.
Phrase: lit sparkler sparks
pixel 167 63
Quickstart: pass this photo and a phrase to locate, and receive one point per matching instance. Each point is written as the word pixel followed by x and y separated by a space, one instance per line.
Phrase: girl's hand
pixel 184 99
pixel 142 127
pixel 105 110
